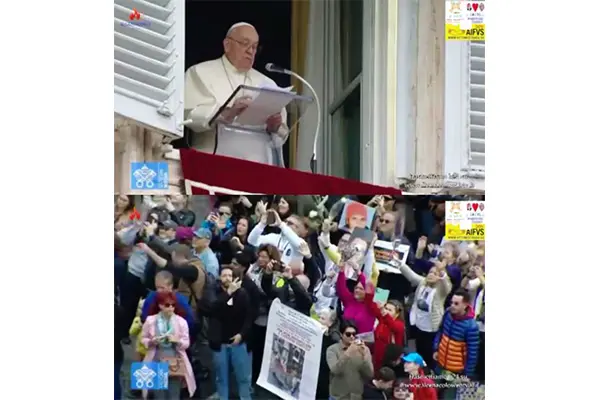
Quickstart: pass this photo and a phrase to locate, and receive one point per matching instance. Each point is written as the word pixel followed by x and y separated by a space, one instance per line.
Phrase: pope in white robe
pixel 209 84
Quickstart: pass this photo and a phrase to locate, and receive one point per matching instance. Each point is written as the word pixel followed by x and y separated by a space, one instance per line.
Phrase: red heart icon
pixel 475 206
pixel 475 5
pixel 481 205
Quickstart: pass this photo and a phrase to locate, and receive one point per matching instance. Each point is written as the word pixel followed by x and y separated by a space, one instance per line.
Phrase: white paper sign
pixel 292 354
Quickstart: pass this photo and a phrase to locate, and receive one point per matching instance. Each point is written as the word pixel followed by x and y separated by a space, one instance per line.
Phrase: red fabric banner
pixel 214 174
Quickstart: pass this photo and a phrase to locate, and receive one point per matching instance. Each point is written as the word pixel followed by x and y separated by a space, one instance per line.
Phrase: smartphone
pixel 271 217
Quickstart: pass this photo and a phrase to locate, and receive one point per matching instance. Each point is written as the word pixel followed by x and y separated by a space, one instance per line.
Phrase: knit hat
pixel 184 233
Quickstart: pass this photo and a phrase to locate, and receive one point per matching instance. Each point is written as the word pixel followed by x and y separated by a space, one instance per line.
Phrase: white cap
pixel 237 25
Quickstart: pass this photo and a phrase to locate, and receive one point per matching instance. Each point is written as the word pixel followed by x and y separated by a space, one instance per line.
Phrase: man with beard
pixel 230 319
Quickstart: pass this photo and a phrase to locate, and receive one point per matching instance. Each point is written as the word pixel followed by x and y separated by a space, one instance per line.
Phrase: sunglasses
pixel 350 334
pixel 221 213
pixel 169 305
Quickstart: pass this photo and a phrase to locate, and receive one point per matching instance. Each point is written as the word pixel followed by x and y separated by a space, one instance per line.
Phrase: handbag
pixel 176 365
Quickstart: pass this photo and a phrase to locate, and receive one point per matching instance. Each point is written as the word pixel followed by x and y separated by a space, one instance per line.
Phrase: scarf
pixel 164 328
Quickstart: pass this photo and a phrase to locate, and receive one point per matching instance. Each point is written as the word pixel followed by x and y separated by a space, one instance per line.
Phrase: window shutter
pixel 477 107
pixel 149 63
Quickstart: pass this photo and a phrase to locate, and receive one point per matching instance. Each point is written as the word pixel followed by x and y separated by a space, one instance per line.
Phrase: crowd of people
pixel 193 288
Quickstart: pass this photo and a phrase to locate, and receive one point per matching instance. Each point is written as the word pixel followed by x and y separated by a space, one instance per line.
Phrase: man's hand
pixel 268 268
pixel 234 286
pixel 422 244
pixel 352 350
pixel 235 340
pixel 287 272
pixel 150 228
pixel 244 200
pixel 235 241
pixel 305 250
pixel 260 209
pixel 236 108
pixel 221 224
pixel 273 123
pixel 143 247
pixel 278 221
pixel 212 217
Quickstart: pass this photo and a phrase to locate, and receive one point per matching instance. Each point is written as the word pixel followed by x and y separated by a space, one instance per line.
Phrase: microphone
pixel 274 68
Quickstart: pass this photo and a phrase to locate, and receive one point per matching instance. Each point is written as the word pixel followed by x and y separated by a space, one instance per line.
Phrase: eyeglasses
pixel 385 221
pixel 245 45
pixel 169 305
pixel 221 213
pixel 350 334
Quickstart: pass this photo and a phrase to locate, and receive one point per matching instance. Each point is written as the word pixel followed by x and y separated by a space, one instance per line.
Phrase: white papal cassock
pixel 208 85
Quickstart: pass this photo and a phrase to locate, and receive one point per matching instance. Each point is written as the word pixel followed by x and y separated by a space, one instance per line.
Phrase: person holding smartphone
pixel 349 364
pixel 288 242
pixel 230 321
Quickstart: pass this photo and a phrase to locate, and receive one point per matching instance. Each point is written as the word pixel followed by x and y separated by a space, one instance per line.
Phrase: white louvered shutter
pixel 477 107
pixel 149 63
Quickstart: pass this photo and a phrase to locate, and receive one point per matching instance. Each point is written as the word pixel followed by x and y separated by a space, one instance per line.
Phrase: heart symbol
pixel 134 215
pixel 475 5
pixel 475 206
pixel 481 205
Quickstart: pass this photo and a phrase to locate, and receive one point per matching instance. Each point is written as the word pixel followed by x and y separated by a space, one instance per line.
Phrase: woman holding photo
pixel 390 326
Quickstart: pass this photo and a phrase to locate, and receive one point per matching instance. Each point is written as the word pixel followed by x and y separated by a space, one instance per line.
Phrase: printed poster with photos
pixel 384 251
pixel 354 251
pixel 292 354
pixel 465 220
pixel 356 215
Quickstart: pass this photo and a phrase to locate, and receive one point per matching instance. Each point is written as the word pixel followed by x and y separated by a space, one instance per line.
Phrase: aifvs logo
pixel 465 20
pixel 476 32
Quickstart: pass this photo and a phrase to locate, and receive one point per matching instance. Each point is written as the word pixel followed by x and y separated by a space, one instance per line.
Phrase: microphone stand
pixel 313 160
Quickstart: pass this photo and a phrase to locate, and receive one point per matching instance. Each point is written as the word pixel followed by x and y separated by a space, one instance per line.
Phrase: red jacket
pixel 387 328
pixel 423 388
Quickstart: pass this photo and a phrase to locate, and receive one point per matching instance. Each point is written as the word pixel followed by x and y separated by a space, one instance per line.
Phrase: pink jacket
pixel 182 333
pixel 354 309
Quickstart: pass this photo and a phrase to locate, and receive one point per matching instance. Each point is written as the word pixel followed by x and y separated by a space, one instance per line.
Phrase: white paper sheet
pixel 292 354
pixel 263 105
